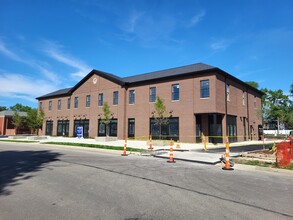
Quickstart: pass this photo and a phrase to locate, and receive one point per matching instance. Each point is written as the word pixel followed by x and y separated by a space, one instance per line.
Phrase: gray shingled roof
pixel 60 92
pixel 162 74
pixel 168 73
pixel 11 113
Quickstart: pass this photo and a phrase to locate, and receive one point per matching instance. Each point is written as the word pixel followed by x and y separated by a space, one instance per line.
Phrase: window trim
pixel 88 101
pixel 173 93
pixel 228 92
pixel 131 97
pixel 50 105
pixel 76 102
pixel 203 89
pixel 69 103
pixel 115 99
pixel 152 97
pixel 101 99
pixel 59 104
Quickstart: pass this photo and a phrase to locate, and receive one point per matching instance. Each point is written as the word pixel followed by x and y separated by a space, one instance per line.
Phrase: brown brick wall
pixel 189 105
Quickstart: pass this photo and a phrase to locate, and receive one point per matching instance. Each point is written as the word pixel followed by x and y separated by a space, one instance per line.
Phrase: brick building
pixel 6 124
pixel 200 99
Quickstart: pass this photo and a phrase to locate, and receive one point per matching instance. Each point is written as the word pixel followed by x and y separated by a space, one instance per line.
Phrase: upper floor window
pixel 175 92
pixel 76 102
pixel 243 98
pixel 50 105
pixel 131 96
pixel 153 94
pixel 88 101
pixel 59 104
pixel 41 106
pixel 68 103
pixel 254 101
pixel 204 89
pixel 101 99
pixel 228 91
pixel 115 98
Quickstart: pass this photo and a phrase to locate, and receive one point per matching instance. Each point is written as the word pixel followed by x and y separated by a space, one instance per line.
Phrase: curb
pixel 259 168
pixel 187 160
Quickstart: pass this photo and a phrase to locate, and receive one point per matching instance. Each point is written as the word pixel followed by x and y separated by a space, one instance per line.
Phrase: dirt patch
pixel 265 156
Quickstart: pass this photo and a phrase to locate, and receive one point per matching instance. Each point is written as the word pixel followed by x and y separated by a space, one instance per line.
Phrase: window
pixel 243 98
pixel 85 127
pixel 254 101
pixel 131 96
pixel 88 101
pixel 75 102
pixel 68 103
pixel 153 94
pixel 62 128
pixel 175 92
pixel 50 105
pixel 231 128
pixel 115 98
pixel 204 89
pixel 165 131
pixel 113 125
pixel 59 104
pixel 228 92
pixel 131 127
pixel 49 128
pixel 41 106
pixel 101 99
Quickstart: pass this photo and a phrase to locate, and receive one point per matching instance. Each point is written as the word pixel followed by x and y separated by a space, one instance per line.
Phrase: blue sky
pixel 50 44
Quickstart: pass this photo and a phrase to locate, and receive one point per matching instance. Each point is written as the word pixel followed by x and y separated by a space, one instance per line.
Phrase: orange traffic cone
pixel 171 159
pixel 151 143
pixel 124 149
pixel 227 156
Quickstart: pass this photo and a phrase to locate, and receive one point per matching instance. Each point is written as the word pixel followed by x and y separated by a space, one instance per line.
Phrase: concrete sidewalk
pixel 192 152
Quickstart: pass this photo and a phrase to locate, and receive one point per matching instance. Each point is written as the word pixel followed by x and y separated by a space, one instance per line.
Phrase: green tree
pixel 276 107
pixel 3 108
pixel 291 90
pixel 253 84
pixel 106 119
pixel 17 121
pixel 20 108
pixel 35 119
pixel 161 116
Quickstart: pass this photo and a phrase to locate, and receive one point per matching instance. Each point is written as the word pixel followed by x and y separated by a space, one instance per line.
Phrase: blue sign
pixel 79 132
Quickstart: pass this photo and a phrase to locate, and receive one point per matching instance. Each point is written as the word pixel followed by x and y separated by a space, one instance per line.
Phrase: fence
pixel 285 153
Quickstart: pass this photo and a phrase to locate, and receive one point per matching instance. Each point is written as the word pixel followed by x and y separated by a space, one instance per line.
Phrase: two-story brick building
pixel 199 99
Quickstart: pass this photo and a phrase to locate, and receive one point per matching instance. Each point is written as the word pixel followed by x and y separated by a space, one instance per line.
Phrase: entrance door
pixel 215 128
pixel 198 129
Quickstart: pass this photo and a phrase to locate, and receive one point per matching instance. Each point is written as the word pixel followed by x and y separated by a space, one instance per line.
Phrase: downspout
pixel 226 107
pixel 125 107
pixel 248 124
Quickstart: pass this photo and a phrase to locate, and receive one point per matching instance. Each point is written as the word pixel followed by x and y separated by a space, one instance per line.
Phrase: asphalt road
pixel 55 182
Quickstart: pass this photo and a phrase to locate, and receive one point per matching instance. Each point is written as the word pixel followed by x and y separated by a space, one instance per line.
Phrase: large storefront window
pixel 112 128
pixel 131 127
pixel 63 128
pixel 49 128
pixel 85 127
pixel 215 128
pixel 165 131
pixel 231 128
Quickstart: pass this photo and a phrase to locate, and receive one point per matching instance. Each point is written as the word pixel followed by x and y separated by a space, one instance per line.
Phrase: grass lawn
pixel 97 146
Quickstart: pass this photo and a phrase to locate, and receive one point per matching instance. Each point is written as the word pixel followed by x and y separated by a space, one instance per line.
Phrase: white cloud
pixel 131 23
pixel 14 85
pixel 32 63
pixel 53 51
pixel 196 19
pixel 221 44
